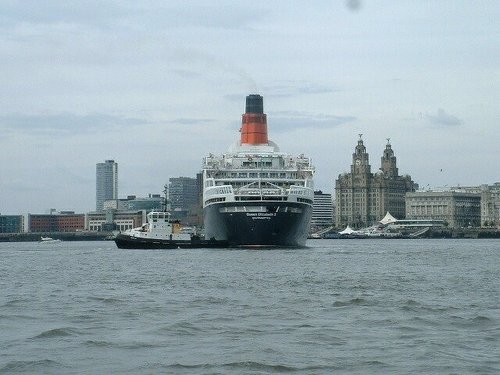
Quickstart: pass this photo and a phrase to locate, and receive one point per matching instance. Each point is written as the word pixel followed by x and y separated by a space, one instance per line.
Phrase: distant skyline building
pixel 490 202
pixel 457 209
pixel 323 214
pixel 363 198
pixel 65 221
pixel 11 223
pixel 490 205
pixel 183 196
pixel 114 220
pixel 106 182
pixel 133 203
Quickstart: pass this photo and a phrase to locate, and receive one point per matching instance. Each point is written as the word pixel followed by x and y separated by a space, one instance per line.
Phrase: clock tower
pixel 360 162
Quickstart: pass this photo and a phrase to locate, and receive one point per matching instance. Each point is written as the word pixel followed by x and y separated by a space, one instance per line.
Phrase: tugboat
pixel 254 195
pixel 160 232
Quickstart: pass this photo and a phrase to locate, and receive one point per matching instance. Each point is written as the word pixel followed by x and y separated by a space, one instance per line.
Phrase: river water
pixel 339 306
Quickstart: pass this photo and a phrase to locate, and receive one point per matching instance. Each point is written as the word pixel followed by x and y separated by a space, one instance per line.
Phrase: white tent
pixel 347 230
pixel 388 219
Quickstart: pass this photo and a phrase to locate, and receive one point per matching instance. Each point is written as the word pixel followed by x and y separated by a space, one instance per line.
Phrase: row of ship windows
pixel 256 198
pixel 266 209
pixel 305 200
pixel 258 164
pixel 120 227
pixel 213 200
pixel 258 175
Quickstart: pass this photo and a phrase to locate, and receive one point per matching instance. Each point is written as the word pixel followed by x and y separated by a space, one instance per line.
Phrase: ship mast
pixel 166 200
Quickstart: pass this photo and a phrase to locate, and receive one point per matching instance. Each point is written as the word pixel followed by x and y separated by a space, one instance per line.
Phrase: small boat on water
pixel 48 240
pixel 160 232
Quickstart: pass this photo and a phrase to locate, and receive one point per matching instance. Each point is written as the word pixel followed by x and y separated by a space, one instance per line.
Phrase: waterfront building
pixel 114 220
pixel 151 202
pixel 457 209
pixel 490 202
pixel 11 223
pixel 65 221
pixel 490 205
pixel 106 182
pixel 323 213
pixel 363 198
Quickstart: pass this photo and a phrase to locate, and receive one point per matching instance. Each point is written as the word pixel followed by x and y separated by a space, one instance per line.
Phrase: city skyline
pixel 157 87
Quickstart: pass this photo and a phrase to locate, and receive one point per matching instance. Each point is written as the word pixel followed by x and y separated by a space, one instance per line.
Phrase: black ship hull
pixel 264 224
pixel 124 241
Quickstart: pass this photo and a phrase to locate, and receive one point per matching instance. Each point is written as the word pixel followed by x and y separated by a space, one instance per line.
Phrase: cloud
pixel 287 90
pixel 190 121
pixel 53 11
pixel 353 5
pixel 166 15
pixel 443 118
pixel 294 89
pixel 207 16
pixel 291 120
pixel 64 123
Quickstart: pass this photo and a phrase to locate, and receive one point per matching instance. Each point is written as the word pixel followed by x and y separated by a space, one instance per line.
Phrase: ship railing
pixel 302 191
pixel 219 190
pixel 257 192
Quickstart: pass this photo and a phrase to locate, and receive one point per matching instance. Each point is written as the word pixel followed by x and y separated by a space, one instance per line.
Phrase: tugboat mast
pixel 166 200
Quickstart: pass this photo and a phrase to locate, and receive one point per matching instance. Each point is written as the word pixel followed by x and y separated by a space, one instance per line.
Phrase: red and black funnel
pixel 254 122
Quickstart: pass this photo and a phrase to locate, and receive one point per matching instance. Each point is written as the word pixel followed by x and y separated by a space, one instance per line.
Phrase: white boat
pixel 48 240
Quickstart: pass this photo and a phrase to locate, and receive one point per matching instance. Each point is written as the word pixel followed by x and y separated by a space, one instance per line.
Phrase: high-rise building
pixel 106 183
pixel 184 198
pixel 182 193
pixel 363 198
pixel 322 215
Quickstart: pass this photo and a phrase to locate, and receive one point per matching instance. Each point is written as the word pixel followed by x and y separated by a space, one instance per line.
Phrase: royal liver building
pixel 363 198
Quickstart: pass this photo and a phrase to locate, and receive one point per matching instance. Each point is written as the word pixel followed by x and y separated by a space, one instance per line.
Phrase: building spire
pixel 388 161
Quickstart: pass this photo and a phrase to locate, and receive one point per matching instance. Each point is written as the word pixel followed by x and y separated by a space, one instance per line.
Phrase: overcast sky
pixel 157 85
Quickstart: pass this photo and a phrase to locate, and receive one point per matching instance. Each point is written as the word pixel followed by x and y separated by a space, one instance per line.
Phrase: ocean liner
pixel 255 195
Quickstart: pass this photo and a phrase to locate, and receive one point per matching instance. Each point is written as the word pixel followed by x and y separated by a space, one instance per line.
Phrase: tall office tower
pixel 106 183
pixel 322 215
pixel 183 192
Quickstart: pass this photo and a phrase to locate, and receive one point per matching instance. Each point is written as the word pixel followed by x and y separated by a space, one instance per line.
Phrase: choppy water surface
pixel 340 306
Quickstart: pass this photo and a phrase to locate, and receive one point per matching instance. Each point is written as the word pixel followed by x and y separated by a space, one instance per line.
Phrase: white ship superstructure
pixel 257 173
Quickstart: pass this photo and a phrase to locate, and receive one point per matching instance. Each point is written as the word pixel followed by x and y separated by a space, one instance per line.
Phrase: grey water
pixel 338 306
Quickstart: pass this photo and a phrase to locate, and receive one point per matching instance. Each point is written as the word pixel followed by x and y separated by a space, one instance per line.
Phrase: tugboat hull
pixel 124 241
